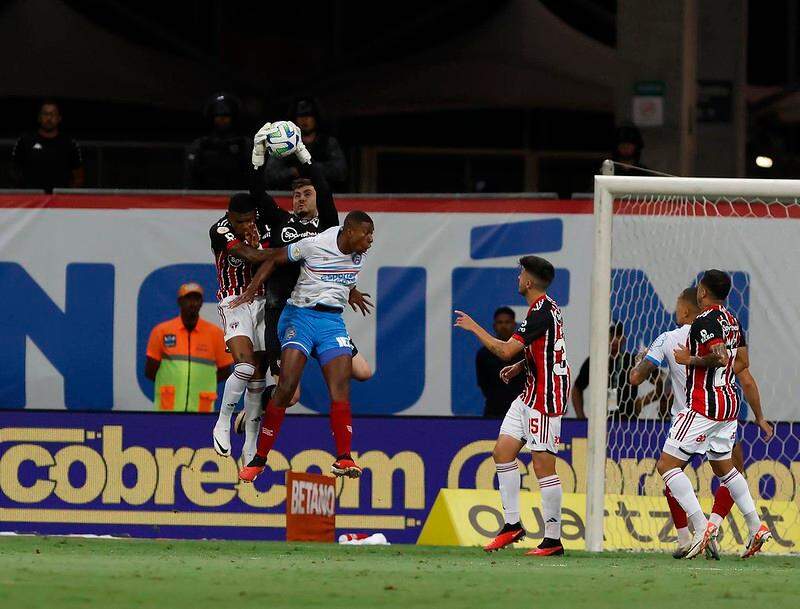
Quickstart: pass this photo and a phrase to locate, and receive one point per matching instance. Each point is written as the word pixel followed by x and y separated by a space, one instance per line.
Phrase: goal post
pixel 652 237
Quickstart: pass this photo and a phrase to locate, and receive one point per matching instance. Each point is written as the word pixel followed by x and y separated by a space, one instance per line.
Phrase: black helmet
pixel 221 104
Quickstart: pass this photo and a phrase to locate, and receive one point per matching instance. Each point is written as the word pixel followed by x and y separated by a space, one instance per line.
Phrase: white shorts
pixel 693 434
pixel 537 430
pixel 245 320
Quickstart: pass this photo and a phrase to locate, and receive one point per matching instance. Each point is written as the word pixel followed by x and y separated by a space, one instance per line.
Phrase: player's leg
pixel 723 502
pixel 720 457
pixel 244 371
pixel 337 371
pixel 687 436
pixel 681 523
pixel 544 436
pixel 510 441
pixel 248 421
pixel 361 368
pixel 272 346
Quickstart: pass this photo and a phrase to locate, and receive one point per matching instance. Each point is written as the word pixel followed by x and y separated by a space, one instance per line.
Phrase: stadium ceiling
pixel 517 55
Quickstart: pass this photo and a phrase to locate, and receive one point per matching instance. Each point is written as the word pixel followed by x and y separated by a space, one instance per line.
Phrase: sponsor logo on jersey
pixel 289 233
pixel 235 262
pixel 170 340
pixel 223 229
pixel 705 336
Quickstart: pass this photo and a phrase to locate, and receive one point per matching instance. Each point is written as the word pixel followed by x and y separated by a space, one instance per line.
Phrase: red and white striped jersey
pixel 234 274
pixel 712 391
pixel 547 369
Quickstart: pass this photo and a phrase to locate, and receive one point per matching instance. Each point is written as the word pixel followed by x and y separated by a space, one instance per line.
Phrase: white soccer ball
pixel 282 139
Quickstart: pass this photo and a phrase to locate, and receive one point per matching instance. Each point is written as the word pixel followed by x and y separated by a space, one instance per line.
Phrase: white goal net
pixel 655 237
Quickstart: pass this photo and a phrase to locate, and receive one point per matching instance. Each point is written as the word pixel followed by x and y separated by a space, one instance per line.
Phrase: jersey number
pixel 560 368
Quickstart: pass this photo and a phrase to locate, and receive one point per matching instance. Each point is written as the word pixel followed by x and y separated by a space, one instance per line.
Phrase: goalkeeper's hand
pixel 300 151
pixel 260 145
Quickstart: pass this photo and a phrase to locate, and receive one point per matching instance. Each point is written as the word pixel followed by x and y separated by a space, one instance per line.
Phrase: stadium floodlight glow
pixel 764 161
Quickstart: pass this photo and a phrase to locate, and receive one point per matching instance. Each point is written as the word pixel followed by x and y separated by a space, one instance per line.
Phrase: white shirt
pixel 327 274
pixel 663 351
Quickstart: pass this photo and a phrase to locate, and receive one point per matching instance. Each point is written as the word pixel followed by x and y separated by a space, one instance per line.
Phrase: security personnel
pixel 186 357
pixel 220 160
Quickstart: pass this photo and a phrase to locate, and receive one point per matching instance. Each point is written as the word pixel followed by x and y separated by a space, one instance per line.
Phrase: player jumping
pixel 534 418
pixel 312 324
pixel 236 241
pixel 708 424
pixel 662 351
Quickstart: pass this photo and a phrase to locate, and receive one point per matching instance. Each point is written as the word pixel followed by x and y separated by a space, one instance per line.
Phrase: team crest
pixel 357 258
pixel 170 340
pixel 233 325
pixel 290 333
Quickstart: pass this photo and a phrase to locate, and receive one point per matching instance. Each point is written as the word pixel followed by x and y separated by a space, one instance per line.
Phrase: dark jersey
pixel 234 274
pixel 46 163
pixel 287 228
pixel 712 391
pixel 546 366
pixel 619 368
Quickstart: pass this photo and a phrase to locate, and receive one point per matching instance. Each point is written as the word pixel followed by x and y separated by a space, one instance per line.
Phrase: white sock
pixel 551 505
pixel 740 492
pixel 509 481
pixel 234 388
pixel 715 519
pixel 684 536
pixel 681 488
pixel 252 413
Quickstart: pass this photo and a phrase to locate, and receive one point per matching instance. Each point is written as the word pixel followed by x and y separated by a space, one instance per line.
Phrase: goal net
pixel 654 237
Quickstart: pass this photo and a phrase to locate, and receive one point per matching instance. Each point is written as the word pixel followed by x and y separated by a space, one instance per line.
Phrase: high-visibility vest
pixel 187 377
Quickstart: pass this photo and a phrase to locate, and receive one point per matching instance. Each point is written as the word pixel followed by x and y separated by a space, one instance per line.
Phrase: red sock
pixel 678 515
pixel 270 426
pixel 723 502
pixel 342 427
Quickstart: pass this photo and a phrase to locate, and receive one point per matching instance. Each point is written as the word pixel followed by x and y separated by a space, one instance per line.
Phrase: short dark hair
pixel 617 328
pixel 689 295
pixel 717 282
pixel 300 182
pixel 241 203
pixel 49 101
pixel 504 311
pixel 540 268
pixel 357 217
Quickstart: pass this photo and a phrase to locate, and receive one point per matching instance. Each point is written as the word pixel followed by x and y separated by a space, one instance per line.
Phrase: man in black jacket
pixel 498 393
pixel 279 173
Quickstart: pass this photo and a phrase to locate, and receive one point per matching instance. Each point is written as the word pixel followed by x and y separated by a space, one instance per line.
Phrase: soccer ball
pixel 282 139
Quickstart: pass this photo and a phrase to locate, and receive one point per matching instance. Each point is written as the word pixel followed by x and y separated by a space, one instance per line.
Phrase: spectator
pixel 622 395
pixel 220 160
pixel 628 147
pixel 324 148
pixel 186 357
pixel 47 159
pixel 498 394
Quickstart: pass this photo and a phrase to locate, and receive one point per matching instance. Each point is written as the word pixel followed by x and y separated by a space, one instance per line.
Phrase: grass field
pixel 64 573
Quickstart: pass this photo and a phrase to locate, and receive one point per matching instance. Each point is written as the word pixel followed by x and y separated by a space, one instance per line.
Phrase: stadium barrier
pixel 156 475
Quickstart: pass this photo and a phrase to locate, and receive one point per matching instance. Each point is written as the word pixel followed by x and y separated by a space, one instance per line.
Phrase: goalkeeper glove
pixel 300 151
pixel 260 146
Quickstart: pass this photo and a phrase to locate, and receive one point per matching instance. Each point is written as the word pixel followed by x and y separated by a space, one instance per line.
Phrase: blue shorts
pixel 319 334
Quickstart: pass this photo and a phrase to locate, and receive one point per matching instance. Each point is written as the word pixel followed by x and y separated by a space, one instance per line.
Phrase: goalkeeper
pixel 313 211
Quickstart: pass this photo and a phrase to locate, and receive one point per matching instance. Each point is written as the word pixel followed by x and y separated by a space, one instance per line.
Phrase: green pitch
pixel 64 573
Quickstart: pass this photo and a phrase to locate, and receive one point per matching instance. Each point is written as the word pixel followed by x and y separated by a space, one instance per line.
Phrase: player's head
pixel 616 338
pixel 304 198
pixel 49 116
pixel 241 212
pixel 358 232
pixel 686 307
pixel 714 287
pixel 536 274
pixel 504 323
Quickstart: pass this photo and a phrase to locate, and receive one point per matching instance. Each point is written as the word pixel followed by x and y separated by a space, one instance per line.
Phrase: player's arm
pixel 647 361
pixel 271 259
pixel 505 350
pixel 581 383
pixel 654 394
pixel 708 334
pixel 247 252
pixel 360 301
pixel 741 368
pixel 512 371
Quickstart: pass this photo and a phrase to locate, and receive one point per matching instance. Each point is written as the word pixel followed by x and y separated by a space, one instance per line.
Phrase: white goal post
pixel 752 198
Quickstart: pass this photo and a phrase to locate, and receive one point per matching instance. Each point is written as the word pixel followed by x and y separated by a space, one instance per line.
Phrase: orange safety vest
pixel 187 377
